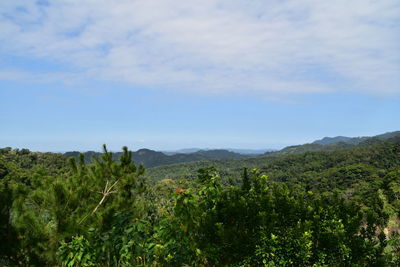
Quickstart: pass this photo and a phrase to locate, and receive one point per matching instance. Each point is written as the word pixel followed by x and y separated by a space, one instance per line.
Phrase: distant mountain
pixel 335 143
pixel 354 140
pixel 337 139
pixel 310 147
pixel 250 151
pixel 302 162
pixel 387 136
pixel 151 158
pixel 236 150
pixel 182 151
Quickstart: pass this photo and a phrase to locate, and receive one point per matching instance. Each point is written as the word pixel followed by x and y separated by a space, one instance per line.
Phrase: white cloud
pixel 225 47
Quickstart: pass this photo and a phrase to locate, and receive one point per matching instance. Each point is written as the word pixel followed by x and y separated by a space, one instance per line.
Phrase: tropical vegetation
pixel 314 208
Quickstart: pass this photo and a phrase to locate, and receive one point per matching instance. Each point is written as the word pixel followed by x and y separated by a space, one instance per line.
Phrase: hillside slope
pixel 295 166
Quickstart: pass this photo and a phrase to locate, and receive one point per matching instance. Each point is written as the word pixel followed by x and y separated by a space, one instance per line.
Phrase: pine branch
pixel 106 192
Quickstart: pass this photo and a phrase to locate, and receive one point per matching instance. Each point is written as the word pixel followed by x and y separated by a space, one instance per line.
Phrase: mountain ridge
pixel 151 158
pixel 354 140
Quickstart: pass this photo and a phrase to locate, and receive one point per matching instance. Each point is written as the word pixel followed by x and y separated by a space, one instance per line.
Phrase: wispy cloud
pixel 269 48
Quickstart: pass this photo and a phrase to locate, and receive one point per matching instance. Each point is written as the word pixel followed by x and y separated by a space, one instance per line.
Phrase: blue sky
pixel 213 74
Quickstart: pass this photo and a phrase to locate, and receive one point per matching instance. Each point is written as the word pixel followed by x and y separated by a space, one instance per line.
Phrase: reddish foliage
pixel 180 191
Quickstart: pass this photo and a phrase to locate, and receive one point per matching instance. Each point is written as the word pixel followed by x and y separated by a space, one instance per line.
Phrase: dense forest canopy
pixel 338 205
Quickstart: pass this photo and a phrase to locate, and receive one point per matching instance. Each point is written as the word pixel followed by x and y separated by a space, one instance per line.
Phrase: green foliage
pixel 9 244
pixel 125 244
pixel 77 252
pixel 335 208
pixel 48 209
pixel 268 224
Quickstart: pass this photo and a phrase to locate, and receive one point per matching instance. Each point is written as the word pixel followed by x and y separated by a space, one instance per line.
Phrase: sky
pixel 169 74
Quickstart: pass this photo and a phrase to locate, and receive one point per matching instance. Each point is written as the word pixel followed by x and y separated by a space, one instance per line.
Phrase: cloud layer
pixel 269 48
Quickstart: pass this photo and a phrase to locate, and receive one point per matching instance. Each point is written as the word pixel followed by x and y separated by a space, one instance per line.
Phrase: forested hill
pixel 355 140
pixel 335 143
pixel 283 166
pixel 220 157
pixel 151 158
